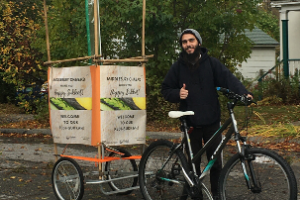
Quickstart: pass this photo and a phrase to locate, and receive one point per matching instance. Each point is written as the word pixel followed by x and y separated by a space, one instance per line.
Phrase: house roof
pixel 258 37
pixel 281 4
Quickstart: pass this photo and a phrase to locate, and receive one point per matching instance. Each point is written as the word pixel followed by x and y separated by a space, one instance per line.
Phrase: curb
pixel 259 140
pixel 162 135
pixel 150 135
pixel 154 135
pixel 26 131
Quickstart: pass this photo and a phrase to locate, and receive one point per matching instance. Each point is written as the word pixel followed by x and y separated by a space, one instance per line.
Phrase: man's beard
pixel 193 57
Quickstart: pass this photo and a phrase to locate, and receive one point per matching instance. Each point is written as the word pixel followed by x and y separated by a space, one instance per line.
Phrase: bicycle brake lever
pixel 247 100
pixel 250 101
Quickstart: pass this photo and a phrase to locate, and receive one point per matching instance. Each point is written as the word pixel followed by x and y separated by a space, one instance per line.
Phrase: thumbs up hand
pixel 183 92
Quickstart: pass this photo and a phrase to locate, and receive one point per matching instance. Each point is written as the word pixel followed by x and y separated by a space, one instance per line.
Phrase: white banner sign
pixel 117 94
pixel 70 103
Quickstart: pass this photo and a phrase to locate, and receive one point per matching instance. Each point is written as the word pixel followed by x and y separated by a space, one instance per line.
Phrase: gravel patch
pixel 10 118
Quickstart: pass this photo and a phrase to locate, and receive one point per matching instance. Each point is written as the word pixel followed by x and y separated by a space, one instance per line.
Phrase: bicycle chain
pixel 113 150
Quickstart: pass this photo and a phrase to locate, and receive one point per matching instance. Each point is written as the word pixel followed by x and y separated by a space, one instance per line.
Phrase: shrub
pixel 157 106
pixel 32 105
pixel 279 90
pixel 42 110
pixel 285 89
pixel 7 93
pixel 272 100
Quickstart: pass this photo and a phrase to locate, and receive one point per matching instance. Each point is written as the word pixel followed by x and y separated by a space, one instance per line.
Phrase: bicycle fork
pixel 245 156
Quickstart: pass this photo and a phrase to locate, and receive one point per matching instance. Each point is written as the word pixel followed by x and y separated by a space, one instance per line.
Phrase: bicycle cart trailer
pixel 86 109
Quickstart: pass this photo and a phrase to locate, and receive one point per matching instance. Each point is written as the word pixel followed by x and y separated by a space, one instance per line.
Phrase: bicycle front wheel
pixel 67 180
pixel 275 178
pixel 154 178
pixel 122 169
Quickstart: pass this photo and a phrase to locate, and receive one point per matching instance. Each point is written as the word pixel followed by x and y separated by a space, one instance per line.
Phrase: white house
pixel 290 11
pixel 263 56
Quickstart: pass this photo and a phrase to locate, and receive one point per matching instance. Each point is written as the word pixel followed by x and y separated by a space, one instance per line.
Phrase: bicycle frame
pixel 237 137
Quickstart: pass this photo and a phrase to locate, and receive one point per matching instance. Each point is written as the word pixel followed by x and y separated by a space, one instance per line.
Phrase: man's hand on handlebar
pixel 249 96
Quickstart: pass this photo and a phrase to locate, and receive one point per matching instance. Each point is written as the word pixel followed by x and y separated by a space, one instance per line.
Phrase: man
pixel 192 81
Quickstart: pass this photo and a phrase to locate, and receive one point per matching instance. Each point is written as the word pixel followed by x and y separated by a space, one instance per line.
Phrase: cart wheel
pixel 67 179
pixel 121 168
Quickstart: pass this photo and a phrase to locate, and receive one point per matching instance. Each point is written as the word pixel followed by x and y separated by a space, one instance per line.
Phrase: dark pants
pixel 205 133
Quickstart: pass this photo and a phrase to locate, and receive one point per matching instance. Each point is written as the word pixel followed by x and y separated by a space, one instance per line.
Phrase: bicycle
pixel 252 173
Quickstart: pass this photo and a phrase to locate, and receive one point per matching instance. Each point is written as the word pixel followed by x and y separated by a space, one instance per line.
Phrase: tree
pixel 67 31
pixel 20 63
pixel 268 21
pixel 220 23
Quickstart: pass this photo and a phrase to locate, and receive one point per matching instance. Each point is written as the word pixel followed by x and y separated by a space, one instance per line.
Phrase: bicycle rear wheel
pixel 275 177
pixel 67 180
pixel 153 179
pixel 121 168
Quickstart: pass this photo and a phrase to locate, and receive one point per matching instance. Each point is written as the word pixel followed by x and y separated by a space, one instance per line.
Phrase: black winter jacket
pixel 201 83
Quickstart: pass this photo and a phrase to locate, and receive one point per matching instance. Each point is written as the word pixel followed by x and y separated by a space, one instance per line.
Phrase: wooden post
pixel 143 50
pixel 100 163
pixel 55 152
pixel 96 27
pixel 96 54
pixel 143 30
pixel 49 59
pixel 47 33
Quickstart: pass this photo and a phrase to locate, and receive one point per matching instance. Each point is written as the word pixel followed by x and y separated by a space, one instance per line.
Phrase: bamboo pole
pixel 96 27
pixel 146 56
pixel 143 28
pixel 100 163
pixel 118 61
pixel 49 59
pixel 132 59
pixel 47 33
pixel 71 59
pixel 96 54
pixel 126 59
pixel 143 50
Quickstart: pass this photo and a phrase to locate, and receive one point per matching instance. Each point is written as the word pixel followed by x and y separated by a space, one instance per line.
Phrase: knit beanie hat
pixel 192 31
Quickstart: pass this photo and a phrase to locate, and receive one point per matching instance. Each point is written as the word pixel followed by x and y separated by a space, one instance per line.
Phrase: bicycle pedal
pixel 176 169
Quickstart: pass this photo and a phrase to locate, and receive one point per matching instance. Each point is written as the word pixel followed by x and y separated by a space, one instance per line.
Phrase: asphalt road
pixel 26 167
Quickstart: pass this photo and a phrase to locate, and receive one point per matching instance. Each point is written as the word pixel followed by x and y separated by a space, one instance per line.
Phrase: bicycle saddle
pixel 177 114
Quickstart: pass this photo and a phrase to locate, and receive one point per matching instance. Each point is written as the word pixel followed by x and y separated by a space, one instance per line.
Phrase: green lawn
pixel 268 115
pixel 278 121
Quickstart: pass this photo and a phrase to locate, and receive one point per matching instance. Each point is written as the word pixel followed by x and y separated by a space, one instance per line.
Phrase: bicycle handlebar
pixel 231 95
